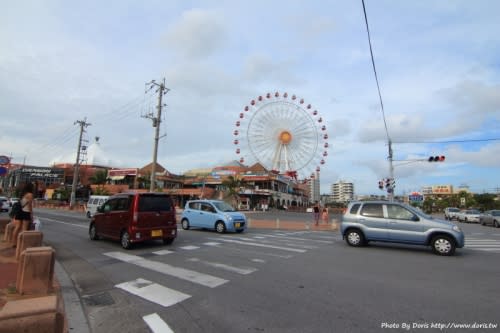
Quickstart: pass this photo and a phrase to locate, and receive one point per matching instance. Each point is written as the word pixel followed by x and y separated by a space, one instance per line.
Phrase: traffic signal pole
pixel 390 189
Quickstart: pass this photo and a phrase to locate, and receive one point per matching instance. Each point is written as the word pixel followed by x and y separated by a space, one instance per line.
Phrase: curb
pixel 75 314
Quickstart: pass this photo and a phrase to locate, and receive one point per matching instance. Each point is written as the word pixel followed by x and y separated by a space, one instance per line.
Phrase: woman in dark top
pixel 24 217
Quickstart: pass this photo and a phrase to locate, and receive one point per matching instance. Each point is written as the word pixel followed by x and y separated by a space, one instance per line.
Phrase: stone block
pixel 33 315
pixel 9 232
pixel 28 239
pixel 3 224
pixel 35 272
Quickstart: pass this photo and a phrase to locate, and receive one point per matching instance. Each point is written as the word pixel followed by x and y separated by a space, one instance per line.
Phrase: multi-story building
pixel 342 191
pixel 314 188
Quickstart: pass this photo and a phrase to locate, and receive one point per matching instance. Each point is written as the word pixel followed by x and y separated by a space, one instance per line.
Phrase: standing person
pixel 24 217
pixel 324 215
pixel 316 213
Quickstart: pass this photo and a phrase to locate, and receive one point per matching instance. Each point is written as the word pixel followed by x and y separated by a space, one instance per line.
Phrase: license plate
pixel 156 233
pixel 237 225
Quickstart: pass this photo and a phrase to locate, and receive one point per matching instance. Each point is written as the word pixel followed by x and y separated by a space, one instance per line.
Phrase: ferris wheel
pixel 283 133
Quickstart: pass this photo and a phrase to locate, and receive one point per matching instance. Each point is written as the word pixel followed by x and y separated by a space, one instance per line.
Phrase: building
pixel 314 188
pixel 342 191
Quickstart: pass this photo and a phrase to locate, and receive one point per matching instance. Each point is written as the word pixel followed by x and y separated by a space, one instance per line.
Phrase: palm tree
pixel 233 185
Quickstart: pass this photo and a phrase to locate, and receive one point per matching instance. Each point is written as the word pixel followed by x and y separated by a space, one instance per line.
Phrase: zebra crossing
pixel 488 244
pixel 282 245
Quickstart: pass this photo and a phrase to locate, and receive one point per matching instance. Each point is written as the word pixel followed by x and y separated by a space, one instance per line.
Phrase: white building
pixel 342 191
pixel 314 188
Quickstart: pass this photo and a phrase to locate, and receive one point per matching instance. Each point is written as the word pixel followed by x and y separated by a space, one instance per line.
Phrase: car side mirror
pixel 415 218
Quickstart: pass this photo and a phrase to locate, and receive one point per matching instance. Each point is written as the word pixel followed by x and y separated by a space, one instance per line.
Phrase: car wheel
pixel 125 240
pixel 88 215
pixel 443 245
pixel 93 232
pixel 185 224
pixel 466 221
pixel 495 224
pixel 168 241
pixel 239 231
pixel 354 237
pixel 482 222
pixel 220 227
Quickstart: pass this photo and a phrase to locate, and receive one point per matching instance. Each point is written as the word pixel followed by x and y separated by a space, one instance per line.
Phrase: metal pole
pixel 390 193
pixel 77 163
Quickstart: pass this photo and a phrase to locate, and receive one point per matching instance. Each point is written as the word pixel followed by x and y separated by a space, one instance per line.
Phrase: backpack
pixel 15 210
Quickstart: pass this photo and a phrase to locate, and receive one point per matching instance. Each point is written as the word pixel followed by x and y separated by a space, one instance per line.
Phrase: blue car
pixel 212 214
pixel 384 221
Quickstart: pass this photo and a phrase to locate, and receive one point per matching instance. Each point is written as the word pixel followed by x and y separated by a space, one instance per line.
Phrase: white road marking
pixel 189 247
pixel 211 243
pixel 163 252
pixel 153 292
pixel 156 324
pixel 263 245
pixel 181 273
pixel 229 268
pixel 301 239
pixel 262 261
pixel 61 222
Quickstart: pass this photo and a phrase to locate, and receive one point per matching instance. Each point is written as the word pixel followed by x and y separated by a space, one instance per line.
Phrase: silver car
pixel 469 215
pixel 490 217
pixel 384 221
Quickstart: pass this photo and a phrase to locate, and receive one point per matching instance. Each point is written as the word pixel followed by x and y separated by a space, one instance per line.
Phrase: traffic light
pixel 437 158
pixel 381 184
pixel 387 182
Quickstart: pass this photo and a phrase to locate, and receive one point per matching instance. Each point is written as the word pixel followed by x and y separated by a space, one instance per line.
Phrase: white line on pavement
pixel 153 292
pixel 61 222
pixel 156 324
pixel 239 270
pixel 163 252
pixel 263 245
pixel 189 247
pixel 181 273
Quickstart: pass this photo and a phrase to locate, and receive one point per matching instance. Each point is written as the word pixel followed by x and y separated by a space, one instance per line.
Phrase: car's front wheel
pixel 220 227
pixel 354 237
pixel 495 224
pixel 185 224
pixel 93 232
pixel 88 215
pixel 125 240
pixel 443 245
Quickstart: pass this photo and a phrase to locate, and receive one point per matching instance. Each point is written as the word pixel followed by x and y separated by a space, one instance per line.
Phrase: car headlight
pixel 456 228
pixel 229 217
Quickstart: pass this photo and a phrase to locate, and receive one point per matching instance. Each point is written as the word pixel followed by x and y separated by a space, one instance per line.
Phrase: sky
pixel 438 66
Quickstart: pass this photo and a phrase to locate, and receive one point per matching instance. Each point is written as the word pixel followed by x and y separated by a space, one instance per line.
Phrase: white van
pixel 94 202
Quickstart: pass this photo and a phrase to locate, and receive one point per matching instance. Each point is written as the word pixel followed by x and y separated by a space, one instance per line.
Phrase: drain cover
pixel 101 299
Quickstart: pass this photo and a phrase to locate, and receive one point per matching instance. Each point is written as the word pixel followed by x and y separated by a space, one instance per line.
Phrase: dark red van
pixel 135 217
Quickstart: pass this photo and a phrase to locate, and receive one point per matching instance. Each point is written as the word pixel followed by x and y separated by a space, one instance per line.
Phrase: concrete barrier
pixel 33 315
pixel 35 272
pixel 9 232
pixel 3 224
pixel 28 239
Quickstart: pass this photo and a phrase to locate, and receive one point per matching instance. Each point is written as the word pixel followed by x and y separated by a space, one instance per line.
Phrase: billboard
pixel 442 189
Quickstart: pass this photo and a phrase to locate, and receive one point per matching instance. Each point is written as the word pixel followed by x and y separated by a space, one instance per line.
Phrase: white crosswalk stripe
pixel 153 292
pixel 491 245
pixel 178 272
pixel 229 268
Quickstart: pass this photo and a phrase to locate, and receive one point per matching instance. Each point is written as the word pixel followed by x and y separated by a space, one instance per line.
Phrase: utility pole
pixel 156 124
pixel 83 124
pixel 390 192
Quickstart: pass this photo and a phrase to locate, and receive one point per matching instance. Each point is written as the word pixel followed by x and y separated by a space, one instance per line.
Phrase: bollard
pixel 28 239
pixel 35 272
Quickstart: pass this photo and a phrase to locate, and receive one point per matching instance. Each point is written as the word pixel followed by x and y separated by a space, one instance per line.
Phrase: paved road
pixel 275 281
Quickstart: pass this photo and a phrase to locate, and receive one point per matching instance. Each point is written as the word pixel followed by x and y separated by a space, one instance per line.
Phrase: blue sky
pixel 437 62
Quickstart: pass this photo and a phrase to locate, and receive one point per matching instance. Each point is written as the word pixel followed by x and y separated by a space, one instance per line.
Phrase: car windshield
pixel 473 211
pixel 418 211
pixel 223 207
pixel 495 212
pixel 453 210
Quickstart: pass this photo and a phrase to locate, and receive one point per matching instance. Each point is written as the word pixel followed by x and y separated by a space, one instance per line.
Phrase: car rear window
pixel 156 203
pixel 372 210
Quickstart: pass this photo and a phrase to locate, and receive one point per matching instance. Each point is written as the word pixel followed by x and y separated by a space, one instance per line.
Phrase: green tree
pixel 99 178
pixel 233 185
pixel 485 201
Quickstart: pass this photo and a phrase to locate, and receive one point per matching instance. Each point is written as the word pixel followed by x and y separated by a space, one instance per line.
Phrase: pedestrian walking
pixel 24 217
pixel 316 213
pixel 324 215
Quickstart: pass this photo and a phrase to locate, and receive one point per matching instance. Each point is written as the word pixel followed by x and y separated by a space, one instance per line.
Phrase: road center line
pixel 61 222
pixel 263 245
